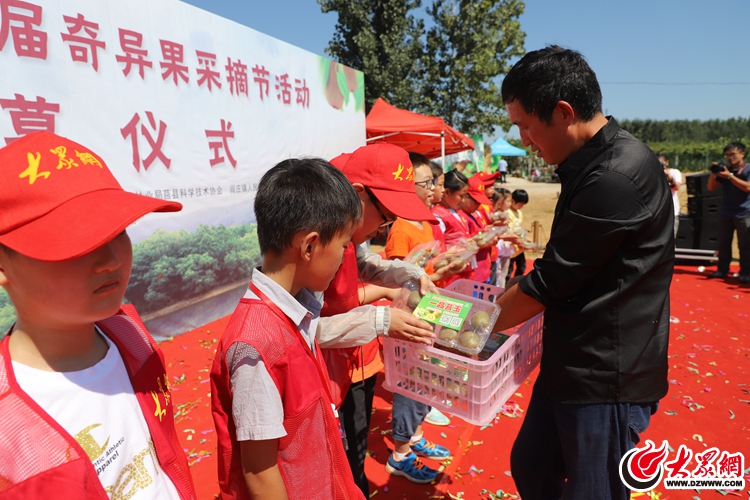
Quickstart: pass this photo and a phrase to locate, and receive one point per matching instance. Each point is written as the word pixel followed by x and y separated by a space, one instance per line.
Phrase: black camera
pixel 719 167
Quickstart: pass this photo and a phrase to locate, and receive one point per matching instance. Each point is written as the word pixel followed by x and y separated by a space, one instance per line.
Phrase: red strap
pixel 295 328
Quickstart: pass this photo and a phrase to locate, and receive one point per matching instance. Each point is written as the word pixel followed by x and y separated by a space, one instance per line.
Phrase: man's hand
pixel 405 326
pixel 724 174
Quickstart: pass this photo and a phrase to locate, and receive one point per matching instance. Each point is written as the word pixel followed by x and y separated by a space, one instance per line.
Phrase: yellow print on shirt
pixel 134 476
pixel 89 444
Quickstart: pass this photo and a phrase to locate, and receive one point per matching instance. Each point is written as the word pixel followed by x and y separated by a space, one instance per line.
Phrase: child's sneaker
pixel 429 449
pixel 436 417
pixel 411 468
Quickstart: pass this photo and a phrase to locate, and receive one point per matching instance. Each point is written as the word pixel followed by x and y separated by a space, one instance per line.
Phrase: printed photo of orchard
pixel 182 280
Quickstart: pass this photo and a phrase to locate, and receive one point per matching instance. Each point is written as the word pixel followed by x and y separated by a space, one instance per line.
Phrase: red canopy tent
pixel 428 135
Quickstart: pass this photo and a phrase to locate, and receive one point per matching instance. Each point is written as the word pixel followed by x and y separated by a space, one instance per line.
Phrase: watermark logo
pixel 641 469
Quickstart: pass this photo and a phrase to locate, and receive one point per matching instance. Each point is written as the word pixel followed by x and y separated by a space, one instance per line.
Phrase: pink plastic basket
pixel 471 389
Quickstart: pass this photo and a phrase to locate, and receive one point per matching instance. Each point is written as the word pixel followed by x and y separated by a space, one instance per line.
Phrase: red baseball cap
pixel 386 170
pixel 487 178
pixel 60 201
pixel 340 160
pixel 476 191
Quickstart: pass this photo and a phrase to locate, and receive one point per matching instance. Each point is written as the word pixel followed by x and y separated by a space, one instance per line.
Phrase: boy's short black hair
pixel 304 194
pixel 455 180
pixel 544 77
pixel 437 170
pixel 520 196
pixel 418 159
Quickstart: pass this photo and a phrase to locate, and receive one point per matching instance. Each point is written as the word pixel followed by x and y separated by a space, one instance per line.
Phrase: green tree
pixel 382 39
pixel 468 48
pixel 451 71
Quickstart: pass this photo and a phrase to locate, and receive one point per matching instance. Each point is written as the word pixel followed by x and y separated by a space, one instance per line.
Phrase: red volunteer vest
pixel 311 457
pixel 454 231
pixel 342 296
pixel 484 256
pixel 39 459
pixel 483 212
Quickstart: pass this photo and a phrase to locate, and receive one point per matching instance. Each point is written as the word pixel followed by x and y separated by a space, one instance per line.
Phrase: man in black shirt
pixel 603 284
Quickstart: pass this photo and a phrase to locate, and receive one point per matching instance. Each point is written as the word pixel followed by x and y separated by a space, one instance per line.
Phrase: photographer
pixel 734 177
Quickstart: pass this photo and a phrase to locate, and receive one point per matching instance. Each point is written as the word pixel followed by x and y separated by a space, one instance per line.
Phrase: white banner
pixel 181 104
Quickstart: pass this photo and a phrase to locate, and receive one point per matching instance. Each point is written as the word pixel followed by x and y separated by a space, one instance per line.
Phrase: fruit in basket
pixel 413 301
pixel 469 339
pixel 448 334
pixel 480 320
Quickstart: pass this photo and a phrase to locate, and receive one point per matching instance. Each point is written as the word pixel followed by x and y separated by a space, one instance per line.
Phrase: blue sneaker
pixel 435 417
pixel 411 468
pixel 429 449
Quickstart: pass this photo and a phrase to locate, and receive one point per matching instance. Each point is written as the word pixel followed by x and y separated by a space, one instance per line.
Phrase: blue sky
pixel 658 59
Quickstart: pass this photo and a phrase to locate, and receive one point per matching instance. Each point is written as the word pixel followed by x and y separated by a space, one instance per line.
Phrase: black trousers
pixel 520 262
pixel 355 413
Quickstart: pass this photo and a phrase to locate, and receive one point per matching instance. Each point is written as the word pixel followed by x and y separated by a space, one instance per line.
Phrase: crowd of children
pixel 294 370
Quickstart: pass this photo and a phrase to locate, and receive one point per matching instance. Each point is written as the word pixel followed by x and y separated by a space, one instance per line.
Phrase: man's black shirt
pixel 605 275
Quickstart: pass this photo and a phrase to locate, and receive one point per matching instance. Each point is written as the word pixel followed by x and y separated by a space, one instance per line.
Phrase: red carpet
pixel 708 402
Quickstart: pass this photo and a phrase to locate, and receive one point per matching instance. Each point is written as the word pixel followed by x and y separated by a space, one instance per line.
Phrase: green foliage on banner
pixel 172 267
pixel 690 145
pixel 467 49
pixel 381 38
pixel 7 313
pixel 451 70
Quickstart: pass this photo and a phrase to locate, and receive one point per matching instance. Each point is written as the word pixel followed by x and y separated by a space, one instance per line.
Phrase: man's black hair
pixel 732 145
pixel 437 170
pixel 455 180
pixel 662 156
pixel 520 196
pixel 543 77
pixel 418 159
pixel 304 194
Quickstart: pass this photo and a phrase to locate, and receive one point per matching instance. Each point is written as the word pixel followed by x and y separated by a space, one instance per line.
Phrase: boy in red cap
pixel 84 394
pixel 383 177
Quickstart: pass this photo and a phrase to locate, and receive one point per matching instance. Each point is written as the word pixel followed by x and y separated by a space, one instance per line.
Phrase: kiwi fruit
pixel 469 339
pixel 414 298
pixel 480 320
pixel 448 334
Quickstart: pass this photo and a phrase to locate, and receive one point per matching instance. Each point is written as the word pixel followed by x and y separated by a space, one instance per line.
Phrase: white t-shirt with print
pixel 98 407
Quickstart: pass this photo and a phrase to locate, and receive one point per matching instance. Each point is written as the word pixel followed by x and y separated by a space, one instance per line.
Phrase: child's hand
pixel 405 326
pixel 425 285
pixel 454 267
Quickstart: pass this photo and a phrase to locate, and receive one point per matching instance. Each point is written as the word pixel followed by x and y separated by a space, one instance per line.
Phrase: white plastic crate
pixel 471 389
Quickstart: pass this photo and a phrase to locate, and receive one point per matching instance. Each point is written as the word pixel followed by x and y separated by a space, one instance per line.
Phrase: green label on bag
pixel 443 311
